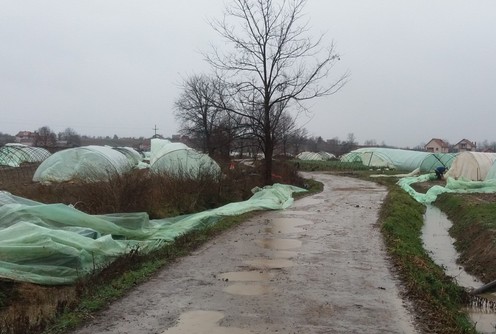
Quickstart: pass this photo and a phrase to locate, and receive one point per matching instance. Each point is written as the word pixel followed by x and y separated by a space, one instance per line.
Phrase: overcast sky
pixel 419 69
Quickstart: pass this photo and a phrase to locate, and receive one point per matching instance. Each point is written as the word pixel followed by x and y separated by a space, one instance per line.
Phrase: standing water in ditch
pixel 439 244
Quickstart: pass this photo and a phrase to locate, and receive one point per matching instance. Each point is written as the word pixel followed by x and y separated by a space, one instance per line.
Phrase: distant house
pixel 465 145
pixel 25 137
pixel 436 145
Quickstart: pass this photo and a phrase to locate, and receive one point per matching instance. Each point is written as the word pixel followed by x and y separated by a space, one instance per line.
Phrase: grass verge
pixel 437 299
pixel 334 165
pixel 474 228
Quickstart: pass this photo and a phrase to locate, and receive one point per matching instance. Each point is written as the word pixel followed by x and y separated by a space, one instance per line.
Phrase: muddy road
pixel 317 267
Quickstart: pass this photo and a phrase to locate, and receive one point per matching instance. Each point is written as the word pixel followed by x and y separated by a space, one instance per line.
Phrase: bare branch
pixel 272 65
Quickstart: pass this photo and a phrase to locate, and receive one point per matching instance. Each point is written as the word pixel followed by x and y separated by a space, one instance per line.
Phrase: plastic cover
pixel 491 174
pixel 452 186
pixel 405 160
pixel 13 155
pixel 179 159
pixel 57 244
pixel 318 156
pixel 472 166
pixel 86 163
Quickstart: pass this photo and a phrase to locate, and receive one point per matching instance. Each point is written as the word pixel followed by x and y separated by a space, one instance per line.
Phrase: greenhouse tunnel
pixel 180 160
pixel 13 155
pixel 406 160
pixel 315 156
pixel 86 163
pixel 473 166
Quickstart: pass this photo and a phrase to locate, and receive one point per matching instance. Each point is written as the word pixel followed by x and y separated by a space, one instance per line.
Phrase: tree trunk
pixel 268 166
pixel 269 143
pixel 269 152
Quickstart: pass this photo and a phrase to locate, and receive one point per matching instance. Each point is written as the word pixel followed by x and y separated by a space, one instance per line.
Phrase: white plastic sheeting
pixel 87 163
pixel 317 156
pixel 131 154
pixel 13 155
pixel 473 166
pixel 179 159
pixel 491 174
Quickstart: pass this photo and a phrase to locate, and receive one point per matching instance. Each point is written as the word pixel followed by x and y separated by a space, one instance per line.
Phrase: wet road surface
pixel 317 267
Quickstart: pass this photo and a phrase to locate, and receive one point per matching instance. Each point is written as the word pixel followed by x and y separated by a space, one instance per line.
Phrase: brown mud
pixel 317 267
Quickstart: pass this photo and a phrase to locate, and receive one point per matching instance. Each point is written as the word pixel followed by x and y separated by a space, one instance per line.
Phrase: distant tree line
pixel 6 138
pixel 46 138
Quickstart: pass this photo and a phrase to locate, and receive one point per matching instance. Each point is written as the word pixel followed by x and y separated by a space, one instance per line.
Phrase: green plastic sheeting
pixel 317 156
pixel 434 160
pixel 491 174
pixel 452 186
pixel 179 159
pixel 131 154
pixel 86 163
pixel 405 160
pixel 57 244
pixel 13 155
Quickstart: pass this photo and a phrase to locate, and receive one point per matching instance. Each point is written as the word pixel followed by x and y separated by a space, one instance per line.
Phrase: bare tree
pixel 45 137
pixel 370 142
pixel 6 138
pixel 297 139
pixel 273 63
pixel 287 126
pixel 71 137
pixel 199 116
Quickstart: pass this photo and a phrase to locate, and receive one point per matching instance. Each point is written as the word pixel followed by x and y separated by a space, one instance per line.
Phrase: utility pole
pixel 155 129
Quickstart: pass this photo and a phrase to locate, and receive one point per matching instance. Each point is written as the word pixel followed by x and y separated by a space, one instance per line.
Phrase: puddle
pixel 203 322
pixel 439 244
pixel 484 322
pixel 283 229
pixel 246 276
pixel 270 263
pixel 357 189
pixel 279 244
pixel 248 289
pixel 290 212
pixel 308 201
pixel 287 225
pixel 285 254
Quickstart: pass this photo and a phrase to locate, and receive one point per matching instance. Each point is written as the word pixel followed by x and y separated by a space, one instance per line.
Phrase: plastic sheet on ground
pixel 452 186
pixel 57 244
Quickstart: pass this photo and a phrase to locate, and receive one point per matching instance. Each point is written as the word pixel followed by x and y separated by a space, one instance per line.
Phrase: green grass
pixel 334 165
pixel 436 295
pixel 474 227
pixel 466 212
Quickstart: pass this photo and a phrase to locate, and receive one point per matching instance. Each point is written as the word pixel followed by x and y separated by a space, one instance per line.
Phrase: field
pixel 438 299
pixel 29 308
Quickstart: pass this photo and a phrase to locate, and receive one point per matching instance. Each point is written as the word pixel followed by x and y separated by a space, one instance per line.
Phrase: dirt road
pixel 317 267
